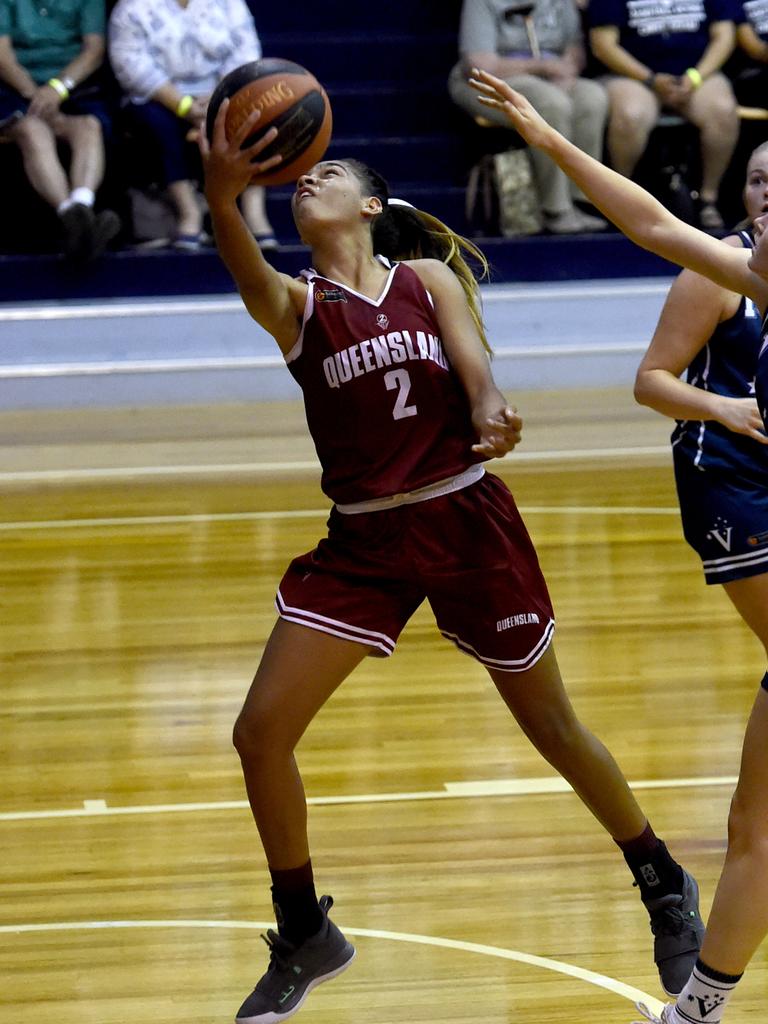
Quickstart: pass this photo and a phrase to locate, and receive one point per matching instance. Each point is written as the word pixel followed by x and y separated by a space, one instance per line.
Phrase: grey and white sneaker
pixel 295 970
pixel 678 932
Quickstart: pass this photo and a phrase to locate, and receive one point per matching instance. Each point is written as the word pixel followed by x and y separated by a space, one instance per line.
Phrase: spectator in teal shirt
pixel 49 54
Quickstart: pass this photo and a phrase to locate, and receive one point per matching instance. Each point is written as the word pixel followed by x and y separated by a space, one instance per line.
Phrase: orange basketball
pixel 291 99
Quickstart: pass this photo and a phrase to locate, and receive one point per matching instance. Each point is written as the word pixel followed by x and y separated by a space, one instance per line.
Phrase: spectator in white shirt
pixel 168 56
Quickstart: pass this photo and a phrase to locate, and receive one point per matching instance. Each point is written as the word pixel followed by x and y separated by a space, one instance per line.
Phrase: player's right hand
pixel 228 167
pixel 742 416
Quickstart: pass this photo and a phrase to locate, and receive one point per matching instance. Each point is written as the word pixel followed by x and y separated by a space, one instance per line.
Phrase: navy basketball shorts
pixel 725 520
pixel 468 553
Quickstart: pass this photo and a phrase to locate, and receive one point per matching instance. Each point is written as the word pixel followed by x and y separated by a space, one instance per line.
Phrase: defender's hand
pixel 495 92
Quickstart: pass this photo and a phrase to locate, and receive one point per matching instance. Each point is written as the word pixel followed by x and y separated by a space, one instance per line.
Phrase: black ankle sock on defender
pixel 295 902
pixel 655 871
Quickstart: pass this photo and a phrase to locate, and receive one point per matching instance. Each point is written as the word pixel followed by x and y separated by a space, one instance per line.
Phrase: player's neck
pixel 351 265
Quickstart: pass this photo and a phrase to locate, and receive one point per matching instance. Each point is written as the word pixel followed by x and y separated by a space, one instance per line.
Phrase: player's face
pixel 756 186
pixel 328 194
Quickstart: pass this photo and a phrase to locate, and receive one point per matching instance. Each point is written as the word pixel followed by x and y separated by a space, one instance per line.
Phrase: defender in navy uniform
pixel 720 449
pixel 739 918
pixel 385 337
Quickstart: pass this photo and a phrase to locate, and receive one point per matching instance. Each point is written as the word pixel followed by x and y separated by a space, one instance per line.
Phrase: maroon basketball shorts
pixel 468 553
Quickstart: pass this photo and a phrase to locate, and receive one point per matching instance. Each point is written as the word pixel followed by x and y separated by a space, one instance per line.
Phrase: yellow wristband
pixel 185 105
pixel 695 76
pixel 58 86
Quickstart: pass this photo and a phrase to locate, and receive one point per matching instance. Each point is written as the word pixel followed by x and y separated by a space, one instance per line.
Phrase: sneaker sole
pixel 275 1018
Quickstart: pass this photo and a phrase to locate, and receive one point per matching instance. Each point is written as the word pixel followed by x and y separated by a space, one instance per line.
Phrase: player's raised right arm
pixel 273 299
pixel 633 210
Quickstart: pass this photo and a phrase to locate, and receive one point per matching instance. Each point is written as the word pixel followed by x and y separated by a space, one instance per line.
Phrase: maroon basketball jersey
pixel 385 409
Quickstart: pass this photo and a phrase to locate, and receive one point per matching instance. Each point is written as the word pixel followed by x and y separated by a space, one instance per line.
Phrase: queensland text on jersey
pixel 385 409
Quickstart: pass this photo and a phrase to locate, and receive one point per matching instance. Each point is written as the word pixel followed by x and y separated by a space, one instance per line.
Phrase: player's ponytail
pixel 402 232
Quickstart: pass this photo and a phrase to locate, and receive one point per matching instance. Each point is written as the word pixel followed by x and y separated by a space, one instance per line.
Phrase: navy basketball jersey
pixel 761 380
pixel 726 366
pixel 385 409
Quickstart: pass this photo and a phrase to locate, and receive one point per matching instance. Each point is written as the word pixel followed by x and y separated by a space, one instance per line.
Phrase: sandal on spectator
pixel 709 217
pixel 188 243
pixel 267 240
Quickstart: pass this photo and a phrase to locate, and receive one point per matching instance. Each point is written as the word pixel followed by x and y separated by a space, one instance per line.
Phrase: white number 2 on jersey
pixel 400 379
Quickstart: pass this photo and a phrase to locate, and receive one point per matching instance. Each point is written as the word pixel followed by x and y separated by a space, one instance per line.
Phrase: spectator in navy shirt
pixel 668 54
pixel 749 66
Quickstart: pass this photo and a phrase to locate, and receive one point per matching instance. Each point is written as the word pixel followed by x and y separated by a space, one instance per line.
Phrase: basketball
pixel 290 99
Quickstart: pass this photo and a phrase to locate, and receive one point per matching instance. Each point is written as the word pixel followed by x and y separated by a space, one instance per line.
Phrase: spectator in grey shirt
pixel 541 54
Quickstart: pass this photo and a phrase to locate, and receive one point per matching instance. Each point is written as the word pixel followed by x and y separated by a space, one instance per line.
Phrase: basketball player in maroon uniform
pixel 738 921
pixel 386 340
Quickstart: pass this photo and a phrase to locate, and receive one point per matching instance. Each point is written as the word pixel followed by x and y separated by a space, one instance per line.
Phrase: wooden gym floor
pixel 139 558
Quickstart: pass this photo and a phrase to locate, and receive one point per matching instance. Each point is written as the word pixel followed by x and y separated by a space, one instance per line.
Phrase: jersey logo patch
pixel 330 295
pixel 383 321
pixel 721 532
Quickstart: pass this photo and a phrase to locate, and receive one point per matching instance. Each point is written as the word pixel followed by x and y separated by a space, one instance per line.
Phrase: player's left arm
pixel 497 424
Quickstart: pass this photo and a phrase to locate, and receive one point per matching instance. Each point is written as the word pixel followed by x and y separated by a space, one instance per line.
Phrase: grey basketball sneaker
pixel 678 933
pixel 295 970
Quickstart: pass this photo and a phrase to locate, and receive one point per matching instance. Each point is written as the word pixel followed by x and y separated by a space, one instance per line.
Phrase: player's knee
pixel 256 733
pixel 248 734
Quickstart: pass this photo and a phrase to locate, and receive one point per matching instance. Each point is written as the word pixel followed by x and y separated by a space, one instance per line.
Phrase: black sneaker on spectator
pixel 103 229
pixel 77 222
pixel 709 217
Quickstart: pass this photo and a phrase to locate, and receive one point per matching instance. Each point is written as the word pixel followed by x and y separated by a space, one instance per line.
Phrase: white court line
pixel 134 472
pixel 450 791
pixel 233 303
pixel 546 963
pixel 205 364
pixel 307 513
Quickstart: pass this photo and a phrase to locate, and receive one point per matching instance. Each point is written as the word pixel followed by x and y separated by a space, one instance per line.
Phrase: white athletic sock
pixel 704 998
pixel 85 196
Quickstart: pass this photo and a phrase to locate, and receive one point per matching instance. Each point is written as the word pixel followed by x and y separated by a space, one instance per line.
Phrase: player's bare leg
pixel 299 670
pixel 542 708
pixel 538 700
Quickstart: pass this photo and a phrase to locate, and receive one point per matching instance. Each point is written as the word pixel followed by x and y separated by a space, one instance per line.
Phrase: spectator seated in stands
pixel 748 68
pixel 168 56
pixel 49 93
pixel 537 47
pixel 668 57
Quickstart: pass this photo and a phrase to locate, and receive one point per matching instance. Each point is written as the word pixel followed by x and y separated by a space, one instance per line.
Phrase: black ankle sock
pixel 295 902
pixel 655 871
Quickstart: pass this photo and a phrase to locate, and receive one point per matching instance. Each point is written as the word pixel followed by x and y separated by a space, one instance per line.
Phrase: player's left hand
pixel 499 433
